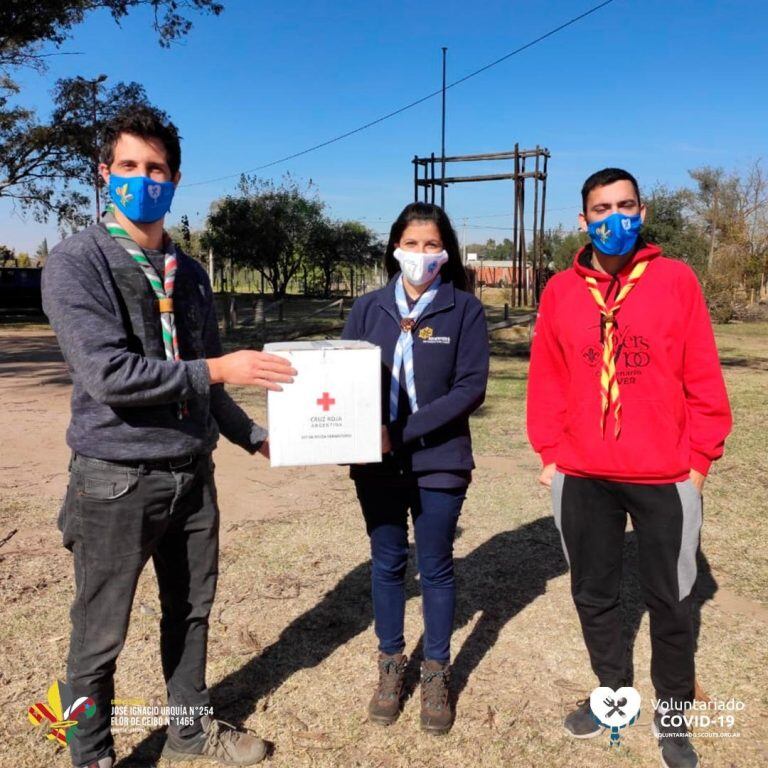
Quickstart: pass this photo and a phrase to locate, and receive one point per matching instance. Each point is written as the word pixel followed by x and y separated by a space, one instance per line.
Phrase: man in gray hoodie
pixel 135 320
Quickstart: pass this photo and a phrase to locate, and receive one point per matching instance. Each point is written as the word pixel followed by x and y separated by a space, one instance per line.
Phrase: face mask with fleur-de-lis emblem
pixel 140 198
pixel 615 235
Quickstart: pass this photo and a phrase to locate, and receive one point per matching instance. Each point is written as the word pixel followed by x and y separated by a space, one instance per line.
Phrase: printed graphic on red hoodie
pixel 675 414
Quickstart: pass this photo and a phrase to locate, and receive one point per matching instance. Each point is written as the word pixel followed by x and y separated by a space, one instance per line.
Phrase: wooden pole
pixel 515 301
pixel 523 301
pixel 536 258
pixel 432 179
pixel 543 205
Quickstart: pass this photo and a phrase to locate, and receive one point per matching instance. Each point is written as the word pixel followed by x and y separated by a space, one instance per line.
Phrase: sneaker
pixel 218 741
pixel 436 709
pixel 675 749
pixel 384 706
pixel 104 762
pixel 581 723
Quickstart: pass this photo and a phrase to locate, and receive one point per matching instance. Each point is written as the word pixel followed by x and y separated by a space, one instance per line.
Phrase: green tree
pixel 38 169
pixel 186 233
pixel 6 254
pixel 266 226
pixel 41 255
pixel 670 224
pixel 754 192
pixel 498 251
pixel 24 27
pixel 333 245
pixel 733 210
pixel 190 240
pixel 560 246
pixel 44 168
pixel 716 201
pixel 81 109
pixel 34 169
pixel 477 248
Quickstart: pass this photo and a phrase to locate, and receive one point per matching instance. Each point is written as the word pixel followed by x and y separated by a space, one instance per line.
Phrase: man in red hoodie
pixel 627 409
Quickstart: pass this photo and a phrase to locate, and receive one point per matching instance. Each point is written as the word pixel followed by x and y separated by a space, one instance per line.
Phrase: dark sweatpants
pixel 591 515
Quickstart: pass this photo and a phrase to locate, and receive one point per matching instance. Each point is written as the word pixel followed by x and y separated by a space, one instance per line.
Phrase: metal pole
pixel 442 150
pixel 95 151
pixel 415 179
pixel 94 84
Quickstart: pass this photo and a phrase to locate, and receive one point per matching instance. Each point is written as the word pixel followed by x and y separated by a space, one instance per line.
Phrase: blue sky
pixel 656 86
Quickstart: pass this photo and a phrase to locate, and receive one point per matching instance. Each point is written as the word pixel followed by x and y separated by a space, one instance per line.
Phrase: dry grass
pixel 292 648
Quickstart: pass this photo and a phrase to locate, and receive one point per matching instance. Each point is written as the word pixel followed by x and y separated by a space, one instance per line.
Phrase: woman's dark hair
pixel 603 179
pixel 453 269
pixel 146 123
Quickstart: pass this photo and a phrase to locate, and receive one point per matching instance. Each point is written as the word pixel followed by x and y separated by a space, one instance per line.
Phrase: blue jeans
pixel 435 515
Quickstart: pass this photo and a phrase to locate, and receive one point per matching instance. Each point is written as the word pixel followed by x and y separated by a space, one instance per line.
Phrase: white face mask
pixel 420 268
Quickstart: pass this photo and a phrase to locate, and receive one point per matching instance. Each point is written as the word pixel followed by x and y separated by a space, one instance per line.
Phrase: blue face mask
pixel 616 234
pixel 140 198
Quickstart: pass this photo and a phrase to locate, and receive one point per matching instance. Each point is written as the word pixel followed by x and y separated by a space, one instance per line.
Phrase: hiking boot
pixel 384 706
pixel 581 723
pixel 218 741
pixel 436 710
pixel 675 749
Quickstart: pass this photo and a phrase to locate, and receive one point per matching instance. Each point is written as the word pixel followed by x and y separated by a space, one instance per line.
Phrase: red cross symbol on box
pixel 326 401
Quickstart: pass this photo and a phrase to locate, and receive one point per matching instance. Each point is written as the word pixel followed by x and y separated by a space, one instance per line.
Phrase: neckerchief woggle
pixel 162 287
pixel 404 348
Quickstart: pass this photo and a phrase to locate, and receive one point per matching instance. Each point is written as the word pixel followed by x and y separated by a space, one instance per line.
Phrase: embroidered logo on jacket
pixel 427 336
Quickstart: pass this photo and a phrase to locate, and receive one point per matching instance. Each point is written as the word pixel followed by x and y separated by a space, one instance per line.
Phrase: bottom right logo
pixel 615 710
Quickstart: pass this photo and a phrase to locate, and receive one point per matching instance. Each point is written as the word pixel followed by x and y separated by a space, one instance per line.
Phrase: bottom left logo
pixel 61 714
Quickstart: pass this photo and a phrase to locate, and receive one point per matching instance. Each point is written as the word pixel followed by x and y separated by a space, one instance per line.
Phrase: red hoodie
pixel 675 413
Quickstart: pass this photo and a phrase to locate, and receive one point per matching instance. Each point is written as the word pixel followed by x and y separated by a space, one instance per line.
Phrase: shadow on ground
pixel 499 578
pixel 37 356
pixel 734 361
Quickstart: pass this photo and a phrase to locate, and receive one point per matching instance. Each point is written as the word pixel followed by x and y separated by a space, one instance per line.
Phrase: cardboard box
pixel 331 414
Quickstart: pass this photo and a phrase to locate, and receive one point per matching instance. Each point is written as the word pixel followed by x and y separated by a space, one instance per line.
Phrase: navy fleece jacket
pixel 450 360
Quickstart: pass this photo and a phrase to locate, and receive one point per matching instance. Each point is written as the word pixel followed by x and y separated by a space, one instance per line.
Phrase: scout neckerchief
pixel 404 347
pixel 163 288
pixel 609 386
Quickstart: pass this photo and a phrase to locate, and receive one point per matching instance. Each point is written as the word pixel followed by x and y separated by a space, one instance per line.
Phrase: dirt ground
pixel 292 649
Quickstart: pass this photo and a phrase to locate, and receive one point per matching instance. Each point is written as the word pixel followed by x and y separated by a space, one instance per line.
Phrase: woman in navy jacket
pixel 434 347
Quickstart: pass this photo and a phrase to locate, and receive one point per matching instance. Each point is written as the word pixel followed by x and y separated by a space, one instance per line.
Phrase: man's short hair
pixel 147 123
pixel 604 178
